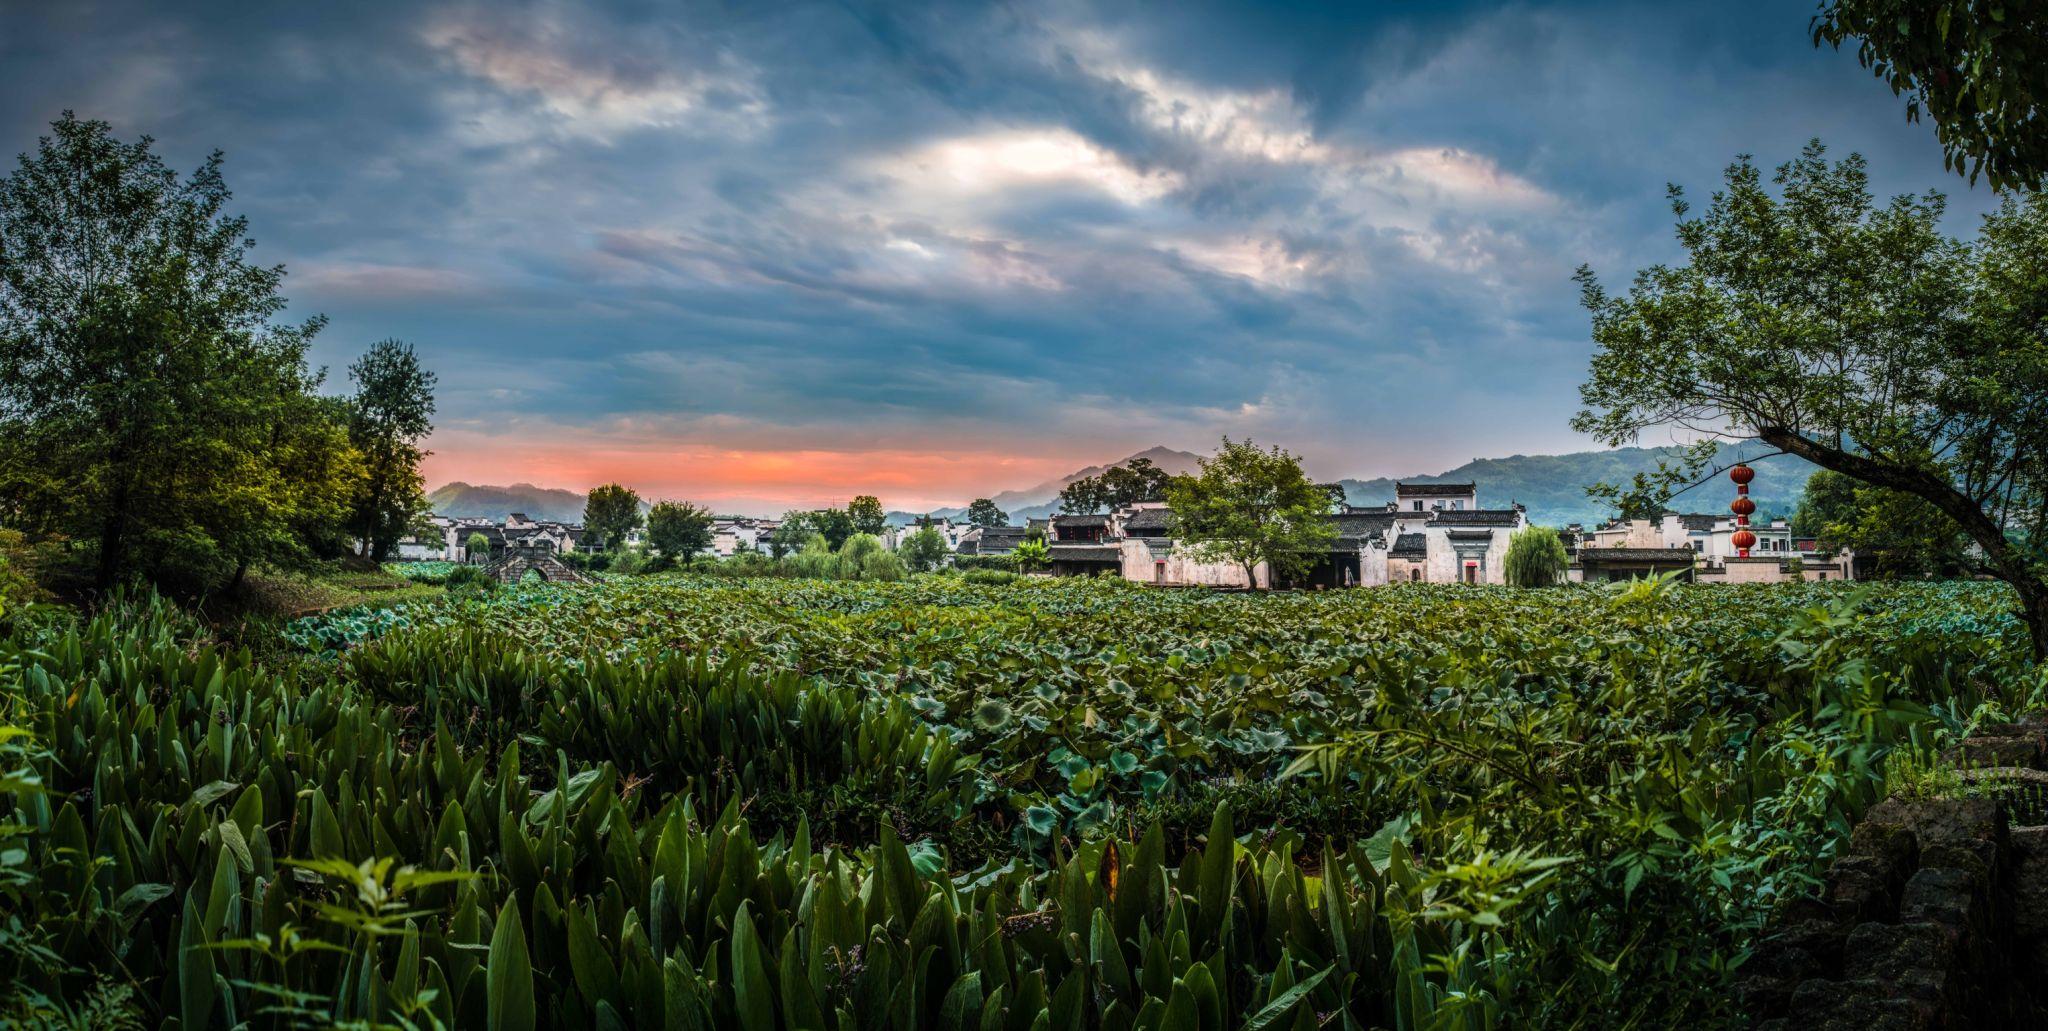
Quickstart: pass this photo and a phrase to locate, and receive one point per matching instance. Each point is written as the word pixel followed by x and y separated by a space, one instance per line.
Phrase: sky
pixel 760 255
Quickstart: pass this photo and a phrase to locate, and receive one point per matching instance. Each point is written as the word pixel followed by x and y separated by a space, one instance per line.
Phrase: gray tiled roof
pixel 1477 517
pixel 1434 490
pixel 1083 553
pixel 1673 556
pixel 1410 545
pixel 1149 519
pixel 1081 520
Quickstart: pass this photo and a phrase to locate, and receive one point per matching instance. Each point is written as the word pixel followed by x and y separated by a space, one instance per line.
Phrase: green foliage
pixel 1895 354
pixel 1050 800
pixel 389 415
pixel 1535 558
pixel 983 512
pixel 612 511
pixel 152 406
pixel 477 547
pixel 1978 70
pixel 923 550
pixel 865 515
pixel 423 572
pixel 1030 554
pixel 1118 486
pixel 679 530
pixel 1248 506
pixel 1895 535
pixel 467 578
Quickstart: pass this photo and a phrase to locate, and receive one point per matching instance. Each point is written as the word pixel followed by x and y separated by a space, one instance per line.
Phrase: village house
pixel 1706 543
pixel 1433 533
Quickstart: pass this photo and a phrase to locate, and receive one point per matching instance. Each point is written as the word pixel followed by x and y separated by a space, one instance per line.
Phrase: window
pixel 1418 506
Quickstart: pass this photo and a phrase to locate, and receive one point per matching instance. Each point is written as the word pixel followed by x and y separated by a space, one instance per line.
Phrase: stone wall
pixel 1936 916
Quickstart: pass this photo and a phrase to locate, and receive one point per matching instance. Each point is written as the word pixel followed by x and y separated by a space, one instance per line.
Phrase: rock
pixel 1858 1006
pixel 1944 895
pixel 1862 887
pixel 1915 961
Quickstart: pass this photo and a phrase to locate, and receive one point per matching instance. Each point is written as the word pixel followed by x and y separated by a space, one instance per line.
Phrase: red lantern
pixel 1742 507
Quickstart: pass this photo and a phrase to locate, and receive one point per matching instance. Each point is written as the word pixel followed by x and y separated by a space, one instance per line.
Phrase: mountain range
pixel 460 500
pixel 1551 487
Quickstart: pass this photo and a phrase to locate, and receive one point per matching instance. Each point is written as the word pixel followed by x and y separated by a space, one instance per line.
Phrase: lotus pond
pixel 695 801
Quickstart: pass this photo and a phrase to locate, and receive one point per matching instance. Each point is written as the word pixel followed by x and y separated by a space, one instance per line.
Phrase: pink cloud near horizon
pixel 749 481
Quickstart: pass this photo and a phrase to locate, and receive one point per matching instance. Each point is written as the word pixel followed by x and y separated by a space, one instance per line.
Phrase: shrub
pixel 468 578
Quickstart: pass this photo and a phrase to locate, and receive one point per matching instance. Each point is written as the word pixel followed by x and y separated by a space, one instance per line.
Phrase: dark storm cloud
pixel 1070 227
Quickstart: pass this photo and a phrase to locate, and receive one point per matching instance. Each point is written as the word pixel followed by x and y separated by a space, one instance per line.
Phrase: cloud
pixel 894 240
pixel 544 73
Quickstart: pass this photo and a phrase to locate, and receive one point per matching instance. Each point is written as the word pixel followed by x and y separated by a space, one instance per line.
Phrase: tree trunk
pixel 2034 604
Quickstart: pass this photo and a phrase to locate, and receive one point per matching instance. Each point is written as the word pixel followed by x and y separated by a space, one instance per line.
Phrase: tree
pixel 611 511
pixel 1978 70
pixel 984 513
pixel 833 524
pixel 1901 536
pixel 1030 554
pixel 477 548
pixel 140 369
pixel 1119 486
pixel 1082 497
pixel 1535 558
pixel 867 515
pixel 789 535
pixel 1857 337
pixel 924 550
pixel 1248 506
pixel 390 414
pixel 678 530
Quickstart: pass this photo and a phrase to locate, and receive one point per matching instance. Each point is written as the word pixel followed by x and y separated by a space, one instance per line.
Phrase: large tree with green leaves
pixel 984 513
pixel 1856 336
pixel 867 515
pixel 1977 68
pixel 790 533
pixel 833 524
pixel 390 414
pixel 923 550
pixel 1248 506
pixel 142 373
pixel 611 511
pixel 679 530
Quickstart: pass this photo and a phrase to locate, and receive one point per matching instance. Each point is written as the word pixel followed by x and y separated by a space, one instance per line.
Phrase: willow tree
pixel 1535 558
pixel 1857 336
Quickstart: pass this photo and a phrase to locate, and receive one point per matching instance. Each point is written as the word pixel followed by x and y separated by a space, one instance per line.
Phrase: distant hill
pixel 1553 487
pixel 464 501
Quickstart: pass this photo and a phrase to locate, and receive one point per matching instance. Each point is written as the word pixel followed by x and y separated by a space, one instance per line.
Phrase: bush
pixel 989 577
pixel 863 557
pixel 968 563
pixel 468 578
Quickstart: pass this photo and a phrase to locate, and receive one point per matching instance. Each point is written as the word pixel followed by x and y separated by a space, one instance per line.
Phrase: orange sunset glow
pixel 747 481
